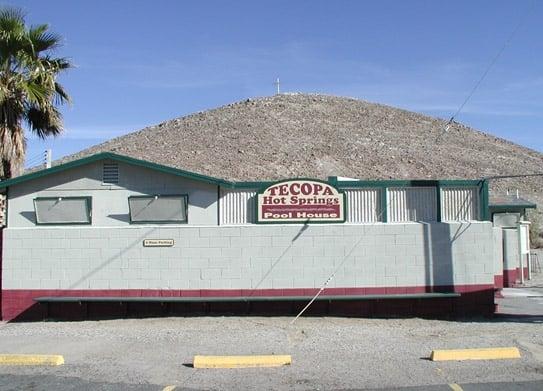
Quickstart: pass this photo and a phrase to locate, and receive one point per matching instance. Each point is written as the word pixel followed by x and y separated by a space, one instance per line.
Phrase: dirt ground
pixel 327 352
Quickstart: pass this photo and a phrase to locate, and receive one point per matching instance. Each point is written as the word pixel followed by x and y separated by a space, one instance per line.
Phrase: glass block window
pixel 63 210
pixel 158 209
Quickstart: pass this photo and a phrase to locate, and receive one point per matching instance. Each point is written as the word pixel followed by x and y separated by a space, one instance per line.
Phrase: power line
pixel 489 67
pixel 357 243
pixel 512 176
pixel 340 265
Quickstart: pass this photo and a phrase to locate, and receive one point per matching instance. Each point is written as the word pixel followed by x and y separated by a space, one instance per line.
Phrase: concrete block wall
pixel 250 257
pixel 497 234
pixel 511 267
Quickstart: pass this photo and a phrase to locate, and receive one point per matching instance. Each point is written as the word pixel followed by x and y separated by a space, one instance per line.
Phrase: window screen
pixel 158 209
pixel 63 210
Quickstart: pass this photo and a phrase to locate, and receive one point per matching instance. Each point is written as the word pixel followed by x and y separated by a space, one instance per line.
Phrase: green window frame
pixel 183 220
pixel 59 199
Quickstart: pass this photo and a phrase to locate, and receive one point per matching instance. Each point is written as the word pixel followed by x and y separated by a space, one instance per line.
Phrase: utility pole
pixel 48 158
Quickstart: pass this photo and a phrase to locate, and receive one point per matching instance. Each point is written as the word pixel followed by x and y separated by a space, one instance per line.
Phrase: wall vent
pixel 110 174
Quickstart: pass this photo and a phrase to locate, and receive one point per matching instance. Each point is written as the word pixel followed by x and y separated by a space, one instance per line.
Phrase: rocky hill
pixel 305 135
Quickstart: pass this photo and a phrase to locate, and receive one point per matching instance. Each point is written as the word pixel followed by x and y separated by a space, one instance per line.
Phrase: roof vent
pixel 110 174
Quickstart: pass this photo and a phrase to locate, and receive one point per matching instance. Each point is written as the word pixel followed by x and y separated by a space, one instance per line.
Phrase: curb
pixel 241 361
pixel 475 354
pixel 31 359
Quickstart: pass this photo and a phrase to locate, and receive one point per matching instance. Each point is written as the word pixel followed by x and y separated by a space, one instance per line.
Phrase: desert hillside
pixel 293 135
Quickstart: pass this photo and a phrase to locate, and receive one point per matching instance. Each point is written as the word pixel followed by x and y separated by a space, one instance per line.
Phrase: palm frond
pixel 11 19
pixel 36 93
pixel 29 91
pixel 44 121
pixel 61 95
pixel 42 39
pixel 55 65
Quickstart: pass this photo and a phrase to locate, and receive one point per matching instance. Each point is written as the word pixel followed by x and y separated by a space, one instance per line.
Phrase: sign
pixel 300 201
pixel 524 234
pixel 158 242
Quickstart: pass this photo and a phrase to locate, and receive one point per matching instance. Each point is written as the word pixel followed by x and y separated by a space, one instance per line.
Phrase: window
pixel 63 210
pixel 158 209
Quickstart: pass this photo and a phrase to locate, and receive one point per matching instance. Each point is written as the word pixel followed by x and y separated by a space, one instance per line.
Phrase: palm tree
pixel 29 92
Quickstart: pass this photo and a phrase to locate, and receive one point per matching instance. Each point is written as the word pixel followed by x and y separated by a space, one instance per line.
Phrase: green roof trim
pixel 118 158
pixel 252 185
pixel 222 182
pixel 404 182
pixel 507 207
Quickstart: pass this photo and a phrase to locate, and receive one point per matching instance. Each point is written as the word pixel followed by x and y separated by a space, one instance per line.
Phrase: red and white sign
pixel 300 200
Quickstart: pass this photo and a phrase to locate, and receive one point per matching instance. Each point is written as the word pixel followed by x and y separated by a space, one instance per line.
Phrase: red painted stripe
pixel 17 301
pixel 512 276
pixel 509 278
pixel 1 252
pixel 498 281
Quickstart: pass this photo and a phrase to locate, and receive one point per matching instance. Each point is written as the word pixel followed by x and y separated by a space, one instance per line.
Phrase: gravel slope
pixel 308 135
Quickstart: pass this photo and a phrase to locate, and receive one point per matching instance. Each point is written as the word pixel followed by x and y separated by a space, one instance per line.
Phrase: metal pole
pixel 520 252
pixel 48 155
pixel 529 255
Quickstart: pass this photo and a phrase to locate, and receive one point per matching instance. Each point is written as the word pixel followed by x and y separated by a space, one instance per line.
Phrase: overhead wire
pixel 357 243
pixel 488 68
pixel 340 265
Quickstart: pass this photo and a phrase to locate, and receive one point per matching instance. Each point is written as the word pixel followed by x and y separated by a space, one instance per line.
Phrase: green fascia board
pixel 408 182
pixel 252 185
pixel 222 182
pixel 484 198
pixel 257 185
pixel 118 158
pixel 512 207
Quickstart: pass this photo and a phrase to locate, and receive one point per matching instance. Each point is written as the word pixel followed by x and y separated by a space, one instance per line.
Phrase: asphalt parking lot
pixel 327 352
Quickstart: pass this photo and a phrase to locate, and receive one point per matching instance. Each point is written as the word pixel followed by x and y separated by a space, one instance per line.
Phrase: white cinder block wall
pixel 497 233
pixel 287 256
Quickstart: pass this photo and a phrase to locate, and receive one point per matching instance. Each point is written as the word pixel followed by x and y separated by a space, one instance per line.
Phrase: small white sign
pixel 158 242
pixel 524 238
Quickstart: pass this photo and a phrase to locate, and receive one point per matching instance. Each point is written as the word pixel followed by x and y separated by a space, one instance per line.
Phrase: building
pixel 113 235
pixel 507 212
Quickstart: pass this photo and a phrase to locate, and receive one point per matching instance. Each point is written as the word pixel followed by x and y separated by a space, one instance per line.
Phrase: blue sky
pixel 143 62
